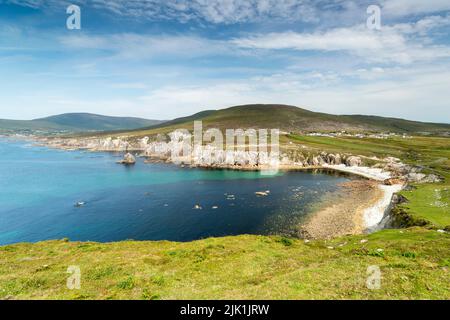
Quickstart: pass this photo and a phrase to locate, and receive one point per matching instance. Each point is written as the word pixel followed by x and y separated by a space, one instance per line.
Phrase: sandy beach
pixel 359 207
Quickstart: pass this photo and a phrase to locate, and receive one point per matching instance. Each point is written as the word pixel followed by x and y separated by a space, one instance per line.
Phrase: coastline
pixel 376 174
pixel 373 198
pixel 374 215
pixel 358 210
pixel 372 195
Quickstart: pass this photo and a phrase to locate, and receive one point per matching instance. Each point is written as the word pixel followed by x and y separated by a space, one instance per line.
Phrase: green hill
pixel 76 122
pixel 284 117
pixel 294 119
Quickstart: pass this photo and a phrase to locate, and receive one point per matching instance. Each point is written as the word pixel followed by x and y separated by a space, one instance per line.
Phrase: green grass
pixel 430 202
pixel 414 264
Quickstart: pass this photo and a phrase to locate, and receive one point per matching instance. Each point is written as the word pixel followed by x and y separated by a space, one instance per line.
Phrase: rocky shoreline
pixel 389 170
pixel 386 177
pixel 342 213
pixel 361 206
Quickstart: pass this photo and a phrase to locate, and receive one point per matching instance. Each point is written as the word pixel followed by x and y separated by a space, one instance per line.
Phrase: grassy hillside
pixel 16 125
pixel 400 125
pixel 283 117
pixel 414 264
pixel 77 122
pixel 290 118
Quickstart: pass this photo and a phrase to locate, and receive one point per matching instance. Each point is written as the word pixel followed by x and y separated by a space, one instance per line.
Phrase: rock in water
pixel 128 158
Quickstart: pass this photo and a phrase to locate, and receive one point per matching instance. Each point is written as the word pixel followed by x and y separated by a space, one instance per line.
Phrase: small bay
pixel 40 187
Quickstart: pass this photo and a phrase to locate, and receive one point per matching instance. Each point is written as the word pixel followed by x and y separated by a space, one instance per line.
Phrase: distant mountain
pixel 283 117
pixel 76 122
pixel 291 118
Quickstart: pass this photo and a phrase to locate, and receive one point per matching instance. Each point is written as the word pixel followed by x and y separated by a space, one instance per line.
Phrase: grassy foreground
pixel 414 264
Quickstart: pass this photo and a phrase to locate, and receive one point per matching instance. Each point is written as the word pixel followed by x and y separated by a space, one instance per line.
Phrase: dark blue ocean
pixel 39 188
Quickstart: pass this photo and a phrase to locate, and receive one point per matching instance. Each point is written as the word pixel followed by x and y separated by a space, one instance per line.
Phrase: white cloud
pixel 209 11
pixel 129 85
pixel 385 81
pixel 184 100
pixel 403 43
pixel 214 11
pixel 241 11
pixel 408 7
pixel 400 43
pixel 422 26
pixel 333 40
pixel 47 4
pixel 136 46
pixel 418 94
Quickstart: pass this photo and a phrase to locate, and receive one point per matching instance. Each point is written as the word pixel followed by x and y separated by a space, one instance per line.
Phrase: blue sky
pixel 166 59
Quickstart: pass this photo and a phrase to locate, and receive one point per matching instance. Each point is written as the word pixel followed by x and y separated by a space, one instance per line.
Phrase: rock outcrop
pixel 128 159
pixel 353 161
pixel 334 159
pixel 178 149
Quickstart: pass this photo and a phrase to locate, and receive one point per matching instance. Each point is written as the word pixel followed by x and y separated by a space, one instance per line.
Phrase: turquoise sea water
pixel 39 188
